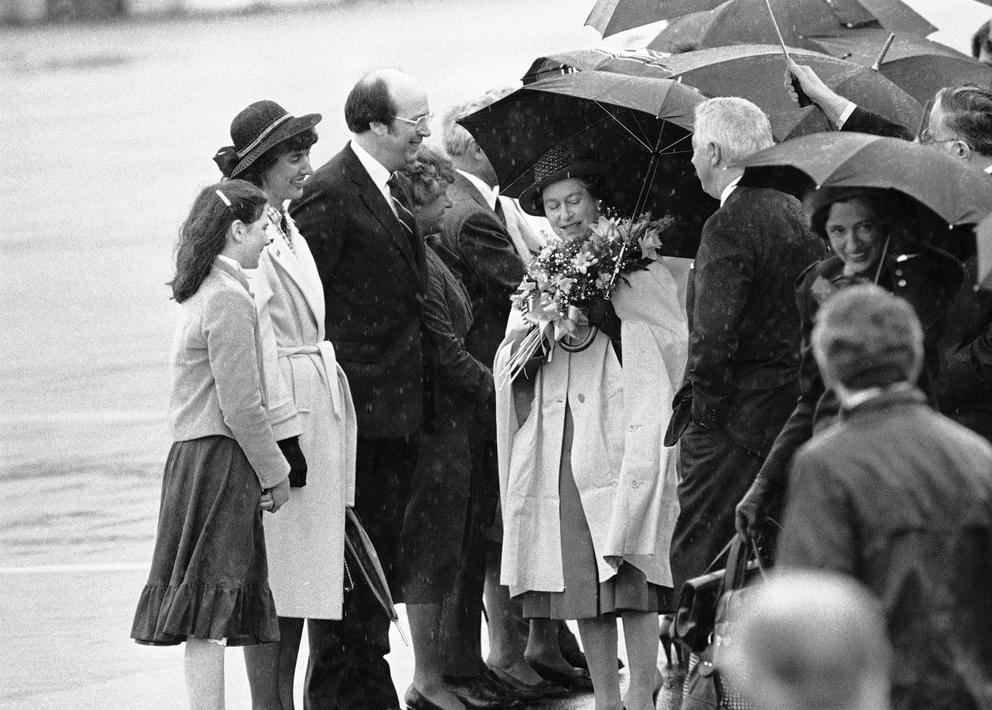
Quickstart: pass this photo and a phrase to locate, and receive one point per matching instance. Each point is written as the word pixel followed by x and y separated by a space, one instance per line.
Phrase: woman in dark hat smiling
pixel 588 493
pixel 309 403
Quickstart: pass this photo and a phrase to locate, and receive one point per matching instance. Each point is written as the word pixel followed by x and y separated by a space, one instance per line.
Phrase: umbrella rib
pixel 624 126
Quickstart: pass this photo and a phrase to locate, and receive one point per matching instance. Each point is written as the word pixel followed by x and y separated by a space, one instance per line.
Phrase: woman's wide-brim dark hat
pixel 560 163
pixel 255 130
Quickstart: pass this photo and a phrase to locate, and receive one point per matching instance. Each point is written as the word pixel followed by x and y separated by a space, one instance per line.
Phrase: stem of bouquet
pixel 527 348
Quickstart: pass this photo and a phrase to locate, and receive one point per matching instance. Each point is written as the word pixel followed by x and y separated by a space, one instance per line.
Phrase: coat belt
pixel 326 352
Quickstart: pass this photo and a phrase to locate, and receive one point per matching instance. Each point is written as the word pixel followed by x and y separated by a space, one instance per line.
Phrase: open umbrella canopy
pixel 612 16
pixel 633 62
pixel 748 22
pixel 917 65
pixel 639 125
pixel 753 72
pixel 756 73
pixel 950 188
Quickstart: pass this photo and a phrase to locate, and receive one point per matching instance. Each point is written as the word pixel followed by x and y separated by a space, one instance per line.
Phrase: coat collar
pixel 898 395
pixel 235 272
pixel 299 265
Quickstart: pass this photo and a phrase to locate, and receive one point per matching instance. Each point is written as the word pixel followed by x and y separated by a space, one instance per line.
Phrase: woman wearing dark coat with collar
pixel 434 524
pixel 868 230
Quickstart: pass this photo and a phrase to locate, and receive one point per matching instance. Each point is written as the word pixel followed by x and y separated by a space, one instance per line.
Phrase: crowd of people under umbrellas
pixel 343 347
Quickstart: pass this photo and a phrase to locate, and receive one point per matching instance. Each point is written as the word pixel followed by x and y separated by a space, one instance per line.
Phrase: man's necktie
pixel 499 211
pixel 403 212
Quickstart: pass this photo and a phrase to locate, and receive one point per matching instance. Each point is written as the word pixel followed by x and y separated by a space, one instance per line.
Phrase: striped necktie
pixel 403 212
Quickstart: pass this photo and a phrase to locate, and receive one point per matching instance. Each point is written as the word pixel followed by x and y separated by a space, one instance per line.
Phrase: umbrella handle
pixel 885 50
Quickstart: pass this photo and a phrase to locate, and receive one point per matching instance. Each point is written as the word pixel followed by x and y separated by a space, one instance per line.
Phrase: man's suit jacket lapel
pixel 375 202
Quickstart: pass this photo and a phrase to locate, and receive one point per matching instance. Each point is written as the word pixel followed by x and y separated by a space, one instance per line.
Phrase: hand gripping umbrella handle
pixel 801 96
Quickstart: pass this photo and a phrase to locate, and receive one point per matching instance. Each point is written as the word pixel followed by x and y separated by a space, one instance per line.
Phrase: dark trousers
pixel 347 668
pixel 715 475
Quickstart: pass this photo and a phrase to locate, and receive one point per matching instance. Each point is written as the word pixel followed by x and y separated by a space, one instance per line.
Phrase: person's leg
pixel 425 621
pixel 290 636
pixel 715 475
pixel 383 472
pixel 203 663
pixel 599 639
pixel 640 631
pixel 328 664
pixel 262 665
pixel 542 646
pixel 508 630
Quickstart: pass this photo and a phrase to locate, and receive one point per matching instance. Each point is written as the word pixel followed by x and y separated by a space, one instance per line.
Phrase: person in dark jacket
pixel 900 498
pixel 436 517
pixel 742 376
pixel 355 215
pixel 960 124
pixel 869 232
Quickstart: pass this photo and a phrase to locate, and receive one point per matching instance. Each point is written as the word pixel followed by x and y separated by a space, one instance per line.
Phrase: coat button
pixel 902 283
pixel 635 484
pixel 581 397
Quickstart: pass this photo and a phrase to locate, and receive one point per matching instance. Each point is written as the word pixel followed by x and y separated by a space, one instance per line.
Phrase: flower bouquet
pixel 566 276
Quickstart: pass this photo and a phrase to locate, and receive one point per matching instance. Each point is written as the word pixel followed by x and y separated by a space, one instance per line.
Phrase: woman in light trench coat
pixel 588 489
pixel 308 397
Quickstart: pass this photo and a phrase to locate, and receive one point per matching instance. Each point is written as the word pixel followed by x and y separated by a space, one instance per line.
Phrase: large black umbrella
pixel 952 189
pixel 753 72
pixel 612 16
pixel 641 126
pixel 915 64
pixel 748 22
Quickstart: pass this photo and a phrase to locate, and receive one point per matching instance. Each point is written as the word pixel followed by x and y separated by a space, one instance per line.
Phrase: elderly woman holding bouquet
pixel 588 490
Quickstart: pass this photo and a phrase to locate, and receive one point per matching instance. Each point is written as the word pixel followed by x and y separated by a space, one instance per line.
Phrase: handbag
pixel 695 617
pixel 713 602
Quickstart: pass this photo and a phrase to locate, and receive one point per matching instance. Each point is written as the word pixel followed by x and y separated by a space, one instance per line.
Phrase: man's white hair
pixel 738 126
pixel 457 140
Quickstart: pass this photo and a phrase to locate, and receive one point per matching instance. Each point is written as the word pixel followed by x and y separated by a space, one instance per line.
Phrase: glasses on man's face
pixel 421 123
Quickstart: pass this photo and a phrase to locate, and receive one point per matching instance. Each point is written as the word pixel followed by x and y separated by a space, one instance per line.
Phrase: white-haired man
pixel 900 498
pixel 741 379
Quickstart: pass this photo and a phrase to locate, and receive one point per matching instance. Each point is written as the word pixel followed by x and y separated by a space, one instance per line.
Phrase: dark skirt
pixel 436 516
pixel 584 596
pixel 209 576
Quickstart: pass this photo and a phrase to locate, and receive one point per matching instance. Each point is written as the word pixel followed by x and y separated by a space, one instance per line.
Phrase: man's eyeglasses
pixel 926 138
pixel 423 123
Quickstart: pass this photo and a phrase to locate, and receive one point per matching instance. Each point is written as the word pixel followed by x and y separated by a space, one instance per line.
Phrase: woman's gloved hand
pixel 297 464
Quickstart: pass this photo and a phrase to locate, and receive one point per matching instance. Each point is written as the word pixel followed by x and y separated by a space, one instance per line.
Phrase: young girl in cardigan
pixel 208 584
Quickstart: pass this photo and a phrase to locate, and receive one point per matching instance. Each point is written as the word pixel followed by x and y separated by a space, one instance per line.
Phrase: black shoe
pixel 509 686
pixel 475 693
pixel 415 701
pixel 543 688
pixel 578 680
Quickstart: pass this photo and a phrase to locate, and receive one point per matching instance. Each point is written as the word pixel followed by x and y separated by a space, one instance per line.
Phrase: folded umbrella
pixel 915 64
pixel 953 190
pixel 642 126
pixel 748 22
pixel 361 554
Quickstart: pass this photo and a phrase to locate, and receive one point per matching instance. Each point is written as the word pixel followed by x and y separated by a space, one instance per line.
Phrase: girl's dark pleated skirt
pixel 209 576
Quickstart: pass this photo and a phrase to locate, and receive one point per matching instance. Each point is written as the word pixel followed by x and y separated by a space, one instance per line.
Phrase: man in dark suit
pixel 742 374
pixel 355 215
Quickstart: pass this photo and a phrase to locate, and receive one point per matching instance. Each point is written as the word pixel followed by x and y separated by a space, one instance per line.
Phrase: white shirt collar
pixel 729 188
pixel 988 170
pixel 377 171
pixel 230 262
pixel 489 193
